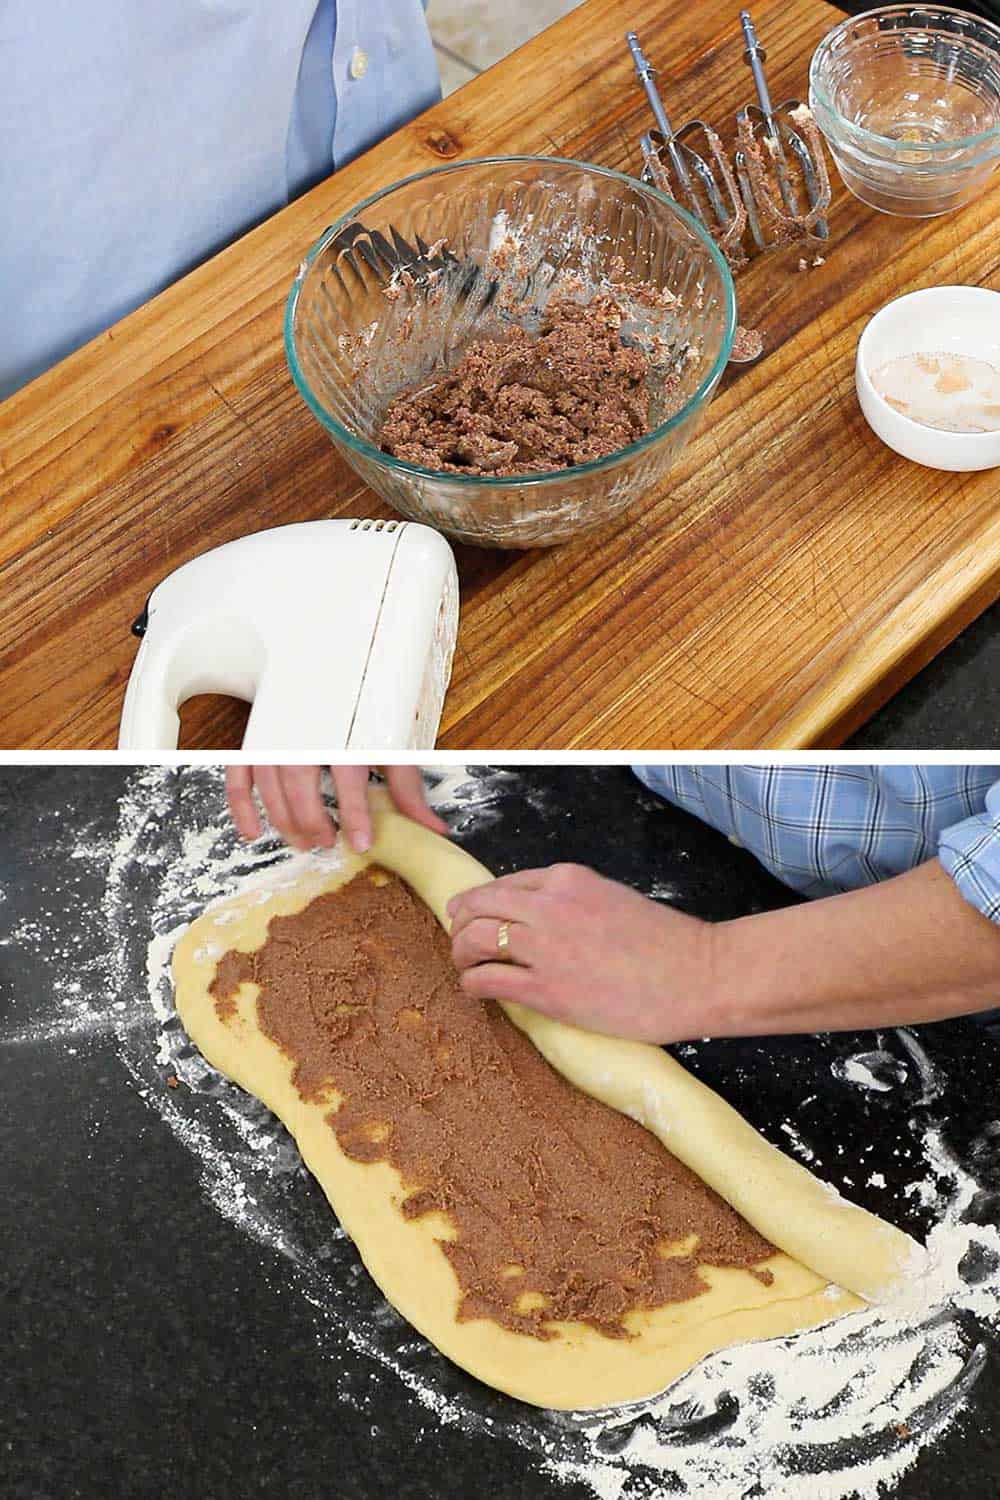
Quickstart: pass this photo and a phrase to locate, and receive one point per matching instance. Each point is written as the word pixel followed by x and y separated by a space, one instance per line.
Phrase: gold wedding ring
pixel 503 941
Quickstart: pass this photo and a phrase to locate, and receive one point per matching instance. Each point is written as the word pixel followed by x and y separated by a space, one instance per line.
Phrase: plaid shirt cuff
pixel 970 852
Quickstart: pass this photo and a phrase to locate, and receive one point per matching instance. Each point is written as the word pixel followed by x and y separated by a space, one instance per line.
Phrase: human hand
pixel 586 950
pixel 294 804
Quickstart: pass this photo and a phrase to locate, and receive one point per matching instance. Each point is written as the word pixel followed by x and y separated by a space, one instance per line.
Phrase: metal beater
pixel 699 174
pixel 778 184
pixel 764 137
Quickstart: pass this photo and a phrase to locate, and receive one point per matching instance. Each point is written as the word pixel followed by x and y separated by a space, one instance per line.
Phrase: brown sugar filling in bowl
pixel 562 1209
pixel 528 403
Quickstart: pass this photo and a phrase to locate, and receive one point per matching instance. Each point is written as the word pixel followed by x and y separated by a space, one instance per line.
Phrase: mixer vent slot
pixel 388 526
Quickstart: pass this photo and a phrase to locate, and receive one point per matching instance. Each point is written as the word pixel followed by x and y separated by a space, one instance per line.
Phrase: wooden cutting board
pixel 788 578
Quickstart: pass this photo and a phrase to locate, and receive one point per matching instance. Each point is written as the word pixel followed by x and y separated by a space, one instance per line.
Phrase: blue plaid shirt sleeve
pixel 970 852
pixel 830 828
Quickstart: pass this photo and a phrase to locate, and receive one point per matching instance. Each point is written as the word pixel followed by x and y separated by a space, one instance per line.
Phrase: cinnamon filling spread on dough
pixel 560 1207
pixel 529 403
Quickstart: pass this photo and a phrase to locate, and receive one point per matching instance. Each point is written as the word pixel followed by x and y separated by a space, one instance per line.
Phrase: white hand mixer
pixel 340 633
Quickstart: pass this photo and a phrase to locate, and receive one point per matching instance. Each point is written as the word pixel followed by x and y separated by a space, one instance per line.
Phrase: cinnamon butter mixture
pixel 561 1207
pixel 528 403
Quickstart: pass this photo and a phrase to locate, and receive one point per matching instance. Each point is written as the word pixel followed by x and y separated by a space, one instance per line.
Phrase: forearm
pixel 908 950
pixel 590 951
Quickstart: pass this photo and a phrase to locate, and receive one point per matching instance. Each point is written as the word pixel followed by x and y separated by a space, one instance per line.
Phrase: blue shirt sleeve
pixel 970 852
pixel 838 827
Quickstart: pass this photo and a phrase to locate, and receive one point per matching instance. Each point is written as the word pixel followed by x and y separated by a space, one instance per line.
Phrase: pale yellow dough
pixel 826 1239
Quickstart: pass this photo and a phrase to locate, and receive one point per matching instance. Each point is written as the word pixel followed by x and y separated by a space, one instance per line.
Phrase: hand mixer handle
pixel 149 721
pixel 216 654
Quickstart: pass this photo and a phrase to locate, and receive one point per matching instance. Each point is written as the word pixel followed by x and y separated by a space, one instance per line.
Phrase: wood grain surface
pixel 790 575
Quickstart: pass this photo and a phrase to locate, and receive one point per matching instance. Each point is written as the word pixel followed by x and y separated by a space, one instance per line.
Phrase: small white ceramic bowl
pixel 939 320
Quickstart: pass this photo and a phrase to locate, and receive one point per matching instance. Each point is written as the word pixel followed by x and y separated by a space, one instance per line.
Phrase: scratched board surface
pixel 787 578
pixel 182 1315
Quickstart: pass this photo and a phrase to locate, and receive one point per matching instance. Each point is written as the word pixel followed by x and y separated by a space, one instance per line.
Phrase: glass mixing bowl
pixel 908 99
pixel 502 235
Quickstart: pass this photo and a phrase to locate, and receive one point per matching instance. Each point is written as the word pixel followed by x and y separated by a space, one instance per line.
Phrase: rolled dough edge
pixel 798 1213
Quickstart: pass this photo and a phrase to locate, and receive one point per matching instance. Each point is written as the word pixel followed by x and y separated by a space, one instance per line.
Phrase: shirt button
pixel 359 63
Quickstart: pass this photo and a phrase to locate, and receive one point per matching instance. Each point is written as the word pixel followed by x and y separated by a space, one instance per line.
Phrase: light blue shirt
pixel 137 137
pixel 830 828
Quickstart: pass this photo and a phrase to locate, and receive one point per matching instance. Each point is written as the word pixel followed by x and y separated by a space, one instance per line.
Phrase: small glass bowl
pixel 908 99
pixel 351 349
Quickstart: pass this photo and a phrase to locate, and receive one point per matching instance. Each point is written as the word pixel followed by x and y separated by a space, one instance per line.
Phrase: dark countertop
pixel 953 704
pixel 153 1348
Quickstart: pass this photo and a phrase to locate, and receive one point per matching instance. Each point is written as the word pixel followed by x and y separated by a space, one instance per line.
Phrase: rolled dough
pixel 821 1238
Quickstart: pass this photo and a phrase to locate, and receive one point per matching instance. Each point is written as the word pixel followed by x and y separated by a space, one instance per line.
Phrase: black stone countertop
pixel 152 1347
pixel 953 704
